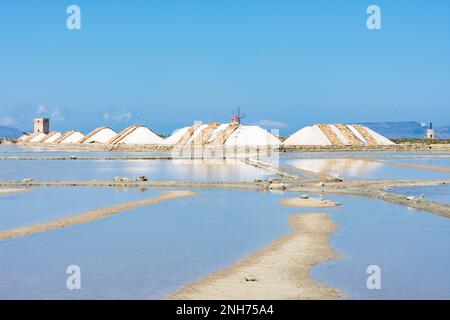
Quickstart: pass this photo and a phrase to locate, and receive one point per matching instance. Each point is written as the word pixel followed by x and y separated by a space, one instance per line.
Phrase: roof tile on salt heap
pixel 137 134
pixel 51 137
pixel 37 137
pixel 71 136
pixel 99 135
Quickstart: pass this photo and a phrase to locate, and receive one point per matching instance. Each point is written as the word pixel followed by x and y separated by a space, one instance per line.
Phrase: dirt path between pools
pixel 367 188
pixel 300 202
pixel 9 191
pixel 412 165
pixel 279 271
pixel 92 215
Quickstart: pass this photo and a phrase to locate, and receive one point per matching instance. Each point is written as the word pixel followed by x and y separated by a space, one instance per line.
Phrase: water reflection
pixel 345 167
pixel 192 170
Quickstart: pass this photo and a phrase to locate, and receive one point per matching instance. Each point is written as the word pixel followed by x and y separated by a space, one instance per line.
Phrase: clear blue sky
pixel 168 63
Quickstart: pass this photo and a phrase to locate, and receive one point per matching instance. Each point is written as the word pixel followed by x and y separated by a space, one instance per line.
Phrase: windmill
pixel 237 116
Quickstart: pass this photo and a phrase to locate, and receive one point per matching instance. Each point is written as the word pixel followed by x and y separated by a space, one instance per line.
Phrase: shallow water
pixel 439 193
pixel 364 169
pixel 364 154
pixel 148 252
pixel 441 162
pixel 192 170
pixel 46 204
pixel 13 151
pixel 409 246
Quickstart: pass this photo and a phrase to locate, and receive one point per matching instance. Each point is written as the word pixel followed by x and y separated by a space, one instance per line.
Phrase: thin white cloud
pixel 41 110
pixel 117 116
pixel 57 116
pixel 7 121
pixel 271 124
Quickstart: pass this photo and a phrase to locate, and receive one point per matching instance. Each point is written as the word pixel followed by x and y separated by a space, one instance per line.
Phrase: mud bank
pixel 414 165
pixel 279 271
pixel 380 190
pixel 92 215
pixel 309 203
pixel 9 191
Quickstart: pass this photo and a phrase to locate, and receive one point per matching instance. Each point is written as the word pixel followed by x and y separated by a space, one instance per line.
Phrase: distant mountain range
pixel 7 132
pixel 407 129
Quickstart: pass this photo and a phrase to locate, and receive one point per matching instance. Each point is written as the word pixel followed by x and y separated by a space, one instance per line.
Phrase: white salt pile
pixel 51 137
pixel 99 135
pixel 37 137
pixel 71 136
pixel 23 137
pixel 226 134
pixel 137 135
pixel 336 134
pixel 252 136
pixel 176 136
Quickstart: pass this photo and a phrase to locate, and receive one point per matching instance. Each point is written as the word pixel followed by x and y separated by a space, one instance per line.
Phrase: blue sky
pixel 167 63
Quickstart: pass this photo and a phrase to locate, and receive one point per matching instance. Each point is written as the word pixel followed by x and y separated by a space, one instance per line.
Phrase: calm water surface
pixel 150 251
pixel 439 193
pixel 192 170
pixel 365 169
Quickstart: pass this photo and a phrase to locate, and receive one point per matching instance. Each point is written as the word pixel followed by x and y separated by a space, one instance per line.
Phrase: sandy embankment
pixel 9 191
pixel 92 215
pixel 279 271
pixel 309 203
pixel 413 165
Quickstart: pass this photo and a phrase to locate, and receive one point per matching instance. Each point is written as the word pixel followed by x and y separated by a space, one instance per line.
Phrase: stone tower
pixel 42 125
pixel 430 132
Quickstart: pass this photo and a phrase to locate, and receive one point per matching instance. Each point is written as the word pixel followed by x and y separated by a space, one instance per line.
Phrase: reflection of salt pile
pixel 339 134
pixel 136 135
pixel 343 167
pixel 99 135
pixel 226 134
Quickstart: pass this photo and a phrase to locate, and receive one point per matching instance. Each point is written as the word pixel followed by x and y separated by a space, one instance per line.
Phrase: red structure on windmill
pixel 237 117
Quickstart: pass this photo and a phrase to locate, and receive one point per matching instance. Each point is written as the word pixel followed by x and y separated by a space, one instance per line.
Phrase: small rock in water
pixel 72 157
pixel 280 186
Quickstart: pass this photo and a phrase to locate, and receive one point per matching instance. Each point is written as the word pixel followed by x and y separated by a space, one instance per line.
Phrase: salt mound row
pixel 222 134
pixel 99 135
pixel 336 135
pixel 37 137
pixel 32 136
pixel 51 137
pixel 23 137
pixel 71 136
pixel 136 135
